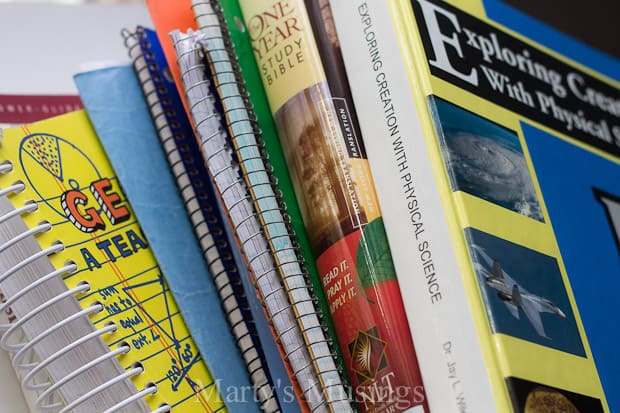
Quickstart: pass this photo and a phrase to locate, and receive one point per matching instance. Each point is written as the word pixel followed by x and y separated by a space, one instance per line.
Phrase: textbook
pixel 338 205
pixel 96 327
pixel 497 162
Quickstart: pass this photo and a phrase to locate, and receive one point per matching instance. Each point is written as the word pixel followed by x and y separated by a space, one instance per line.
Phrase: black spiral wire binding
pixel 207 8
pixel 13 340
pixel 199 199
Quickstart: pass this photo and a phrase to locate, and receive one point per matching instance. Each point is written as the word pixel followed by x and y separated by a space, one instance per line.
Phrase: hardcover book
pixel 497 162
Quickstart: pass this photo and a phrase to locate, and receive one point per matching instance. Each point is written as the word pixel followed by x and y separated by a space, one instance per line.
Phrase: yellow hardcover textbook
pixel 497 162
pixel 93 307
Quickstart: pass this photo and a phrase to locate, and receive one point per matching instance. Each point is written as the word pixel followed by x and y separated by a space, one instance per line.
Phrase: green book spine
pixel 249 68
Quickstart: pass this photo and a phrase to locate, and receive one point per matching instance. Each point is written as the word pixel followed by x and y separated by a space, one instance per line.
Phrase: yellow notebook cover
pixel 497 166
pixel 66 172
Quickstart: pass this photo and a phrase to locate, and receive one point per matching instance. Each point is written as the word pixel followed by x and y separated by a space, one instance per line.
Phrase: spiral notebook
pixel 230 17
pixel 122 121
pixel 235 157
pixel 16 110
pixel 192 178
pixel 90 301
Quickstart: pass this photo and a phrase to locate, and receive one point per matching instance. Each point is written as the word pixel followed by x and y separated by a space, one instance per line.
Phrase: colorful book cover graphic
pixel 530 397
pixel 484 159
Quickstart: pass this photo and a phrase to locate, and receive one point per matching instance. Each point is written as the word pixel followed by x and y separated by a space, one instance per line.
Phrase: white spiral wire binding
pixel 6 306
pixel 123 349
pixel 5 166
pixel 28 378
pixel 42 227
pixel 147 390
pixel 21 349
pixel 129 373
pixel 30 207
pixel 16 327
pixel 24 348
pixel 16 187
pixel 49 251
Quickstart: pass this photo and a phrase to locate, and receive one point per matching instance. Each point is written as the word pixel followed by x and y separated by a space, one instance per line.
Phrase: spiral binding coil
pixel 265 216
pixel 209 127
pixel 182 152
pixel 256 131
pixel 49 393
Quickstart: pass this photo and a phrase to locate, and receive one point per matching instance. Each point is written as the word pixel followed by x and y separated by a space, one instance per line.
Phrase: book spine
pixel 347 237
pixel 449 348
pixel 260 106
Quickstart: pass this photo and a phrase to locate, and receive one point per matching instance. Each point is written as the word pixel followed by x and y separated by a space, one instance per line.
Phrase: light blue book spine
pixel 115 104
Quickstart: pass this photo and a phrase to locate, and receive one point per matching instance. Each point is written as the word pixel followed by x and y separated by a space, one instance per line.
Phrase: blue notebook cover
pixel 115 104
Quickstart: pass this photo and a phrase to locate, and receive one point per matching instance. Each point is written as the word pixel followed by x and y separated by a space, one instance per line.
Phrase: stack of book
pixel 315 206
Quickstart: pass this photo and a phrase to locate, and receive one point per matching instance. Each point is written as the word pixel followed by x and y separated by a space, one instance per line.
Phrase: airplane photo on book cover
pixel 515 297
pixel 523 293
